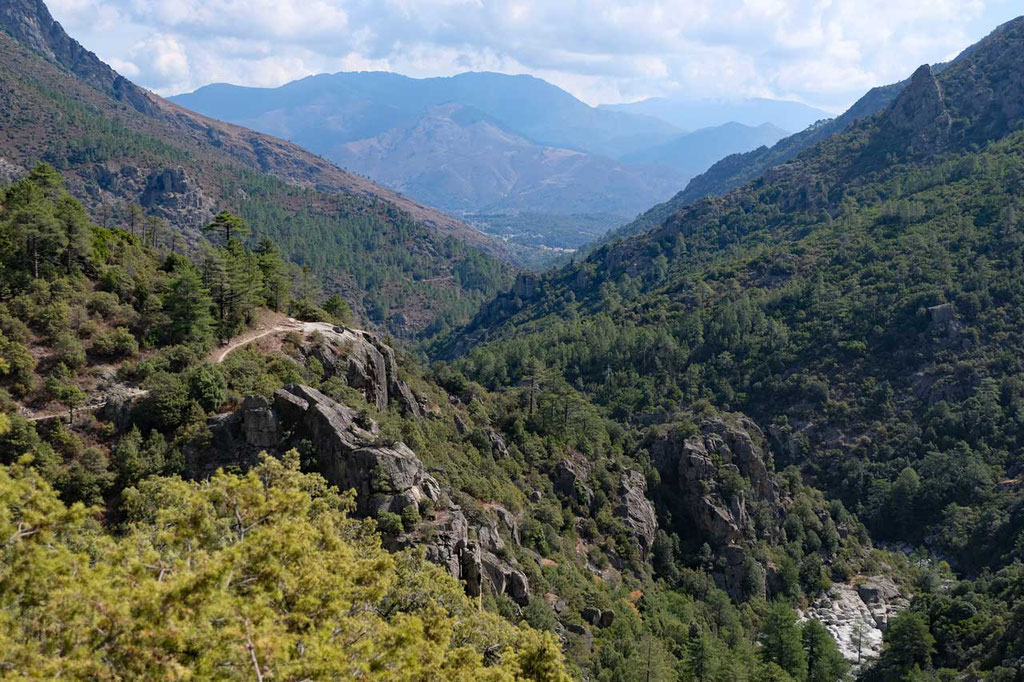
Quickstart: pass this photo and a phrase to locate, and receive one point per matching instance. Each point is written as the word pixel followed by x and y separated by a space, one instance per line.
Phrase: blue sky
pixel 822 52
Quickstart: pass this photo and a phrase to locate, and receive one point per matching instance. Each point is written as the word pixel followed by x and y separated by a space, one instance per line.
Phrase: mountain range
pixel 694 113
pixel 485 143
pixel 856 291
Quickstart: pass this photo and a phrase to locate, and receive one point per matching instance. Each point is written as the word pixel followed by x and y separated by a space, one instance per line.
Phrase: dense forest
pixel 862 304
pixel 91 310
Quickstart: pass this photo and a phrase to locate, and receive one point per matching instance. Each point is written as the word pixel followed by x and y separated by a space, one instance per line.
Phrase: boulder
pixel 602 618
pixel 878 589
pixel 942 314
pixel 576 629
pixel 556 603
pixel 119 404
pixel 498 446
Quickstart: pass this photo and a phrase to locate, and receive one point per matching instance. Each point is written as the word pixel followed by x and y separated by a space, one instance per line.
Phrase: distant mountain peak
pixel 30 23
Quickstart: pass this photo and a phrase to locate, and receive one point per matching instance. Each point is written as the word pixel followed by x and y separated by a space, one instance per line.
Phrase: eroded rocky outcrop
pixel 366 363
pixel 570 479
pixel 170 192
pixel 919 118
pixel 712 481
pixel 715 475
pixel 636 510
pixel 347 450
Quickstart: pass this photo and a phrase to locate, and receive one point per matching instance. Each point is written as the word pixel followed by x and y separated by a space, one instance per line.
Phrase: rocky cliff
pixel 388 478
pixel 365 362
pixel 719 488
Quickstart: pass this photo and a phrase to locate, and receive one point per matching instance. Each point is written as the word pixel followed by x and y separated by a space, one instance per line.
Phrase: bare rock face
pixel 637 511
pixel 715 474
pixel 527 286
pixel 506 579
pixel 711 482
pixel 31 23
pixel 857 616
pixel 570 479
pixel 918 117
pixel 260 425
pixel 169 192
pixel 9 171
pixel 366 363
pixel 387 477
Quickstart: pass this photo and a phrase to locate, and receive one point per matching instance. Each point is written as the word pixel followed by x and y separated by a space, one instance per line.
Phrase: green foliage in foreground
pixel 236 577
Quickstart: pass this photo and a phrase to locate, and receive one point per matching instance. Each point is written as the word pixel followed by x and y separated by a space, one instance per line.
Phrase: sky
pixel 821 52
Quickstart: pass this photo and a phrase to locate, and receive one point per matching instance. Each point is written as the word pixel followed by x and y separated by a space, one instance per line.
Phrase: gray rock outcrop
pixel 387 477
pixel 919 118
pixel 570 478
pixel 637 511
pixel 366 363
pixel 715 474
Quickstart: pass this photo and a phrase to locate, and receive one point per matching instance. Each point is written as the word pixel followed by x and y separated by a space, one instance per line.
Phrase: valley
pixel 688 389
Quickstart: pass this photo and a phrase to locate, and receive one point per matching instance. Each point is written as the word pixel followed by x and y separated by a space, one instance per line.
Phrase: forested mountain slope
pixel 128 154
pixel 738 169
pixel 205 548
pixel 861 302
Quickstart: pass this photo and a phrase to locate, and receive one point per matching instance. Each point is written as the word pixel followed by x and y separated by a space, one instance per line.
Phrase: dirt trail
pixel 276 324
pixel 283 326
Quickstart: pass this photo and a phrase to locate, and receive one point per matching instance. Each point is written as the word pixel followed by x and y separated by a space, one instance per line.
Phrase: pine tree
pixel 228 224
pixel 276 288
pixel 700 656
pixel 824 661
pixel 909 642
pixel 187 306
pixel 42 238
pixel 780 640
pixel 77 232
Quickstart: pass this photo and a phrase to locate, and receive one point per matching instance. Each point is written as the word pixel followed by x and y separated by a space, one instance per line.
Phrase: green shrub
pixel 116 344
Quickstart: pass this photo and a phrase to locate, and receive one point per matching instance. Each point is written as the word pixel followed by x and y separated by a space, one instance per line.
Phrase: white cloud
pixel 822 51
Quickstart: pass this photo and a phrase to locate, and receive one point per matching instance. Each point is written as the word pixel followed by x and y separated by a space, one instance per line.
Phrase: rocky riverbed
pixel 857 614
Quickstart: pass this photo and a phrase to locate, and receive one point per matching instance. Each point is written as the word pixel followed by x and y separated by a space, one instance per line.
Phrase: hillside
pixel 778 437
pixel 119 145
pixel 459 159
pixel 222 483
pixel 738 169
pixel 862 303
